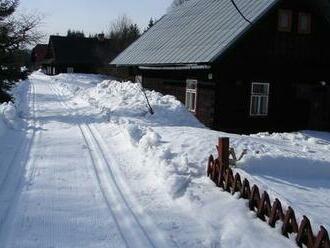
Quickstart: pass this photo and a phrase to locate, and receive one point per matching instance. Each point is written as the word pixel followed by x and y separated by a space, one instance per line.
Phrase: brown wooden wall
pixel 294 64
pixel 174 83
pixel 265 52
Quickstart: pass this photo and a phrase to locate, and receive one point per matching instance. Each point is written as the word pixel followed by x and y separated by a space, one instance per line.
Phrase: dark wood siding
pixel 294 64
pixel 266 52
pixel 174 83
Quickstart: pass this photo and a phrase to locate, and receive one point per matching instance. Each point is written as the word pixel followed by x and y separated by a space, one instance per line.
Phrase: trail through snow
pixel 92 170
pixel 60 188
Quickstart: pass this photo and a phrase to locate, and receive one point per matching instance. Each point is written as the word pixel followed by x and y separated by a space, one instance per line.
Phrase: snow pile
pixel 3 126
pixel 126 99
pixel 11 114
pixel 172 169
pixel 123 99
pixel 9 118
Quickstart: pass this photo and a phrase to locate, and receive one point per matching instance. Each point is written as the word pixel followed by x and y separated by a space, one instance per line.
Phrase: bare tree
pixel 122 32
pixel 23 30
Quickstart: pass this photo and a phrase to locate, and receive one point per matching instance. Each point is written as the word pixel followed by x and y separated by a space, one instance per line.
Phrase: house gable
pixel 265 49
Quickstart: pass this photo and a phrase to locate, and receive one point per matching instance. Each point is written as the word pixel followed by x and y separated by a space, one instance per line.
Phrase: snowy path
pixel 69 196
pixel 75 179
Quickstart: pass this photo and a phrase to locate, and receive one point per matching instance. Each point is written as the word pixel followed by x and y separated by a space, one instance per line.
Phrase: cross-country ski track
pixel 24 222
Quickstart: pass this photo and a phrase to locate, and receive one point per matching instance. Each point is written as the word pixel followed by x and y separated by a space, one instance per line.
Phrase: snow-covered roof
pixel 198 31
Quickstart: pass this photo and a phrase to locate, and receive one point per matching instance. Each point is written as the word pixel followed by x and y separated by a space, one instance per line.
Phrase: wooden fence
pixel 219 172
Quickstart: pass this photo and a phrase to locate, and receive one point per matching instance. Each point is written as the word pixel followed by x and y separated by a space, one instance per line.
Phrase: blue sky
pixel 92 16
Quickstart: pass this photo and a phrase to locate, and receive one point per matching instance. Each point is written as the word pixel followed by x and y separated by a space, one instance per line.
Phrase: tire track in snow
pixel 13 183
pixel 132 231
pixel 147 224
pixel 97 174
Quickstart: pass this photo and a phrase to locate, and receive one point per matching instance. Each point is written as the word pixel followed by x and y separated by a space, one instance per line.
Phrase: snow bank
pixel 9 116
pixel 3 126
pixel 10 113
pixel 126 99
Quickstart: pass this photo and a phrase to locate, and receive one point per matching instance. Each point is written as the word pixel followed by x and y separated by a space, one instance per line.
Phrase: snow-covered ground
pixel 87 166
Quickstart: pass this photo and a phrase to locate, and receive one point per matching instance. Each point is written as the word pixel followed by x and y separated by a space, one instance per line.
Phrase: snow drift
pixel 12 113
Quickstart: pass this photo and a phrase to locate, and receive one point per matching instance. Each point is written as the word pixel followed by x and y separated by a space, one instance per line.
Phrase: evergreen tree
pixel 8 71
pixel 122 33
pixel 75 33
pixel 151 23
pixel 176 3
pixel 14 35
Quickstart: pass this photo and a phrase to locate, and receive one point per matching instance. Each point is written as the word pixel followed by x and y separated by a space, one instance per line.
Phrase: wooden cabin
pixel 241 66
pixel 77 54
pixel 38 55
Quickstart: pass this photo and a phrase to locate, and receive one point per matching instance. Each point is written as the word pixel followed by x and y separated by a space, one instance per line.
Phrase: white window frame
pixel 259 96
pixel 191 91
pixel 139 79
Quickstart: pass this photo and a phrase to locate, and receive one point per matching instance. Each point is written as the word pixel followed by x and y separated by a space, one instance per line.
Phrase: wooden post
pixel 223 151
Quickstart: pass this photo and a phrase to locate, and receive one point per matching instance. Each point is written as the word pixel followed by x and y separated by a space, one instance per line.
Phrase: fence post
pixel 223 151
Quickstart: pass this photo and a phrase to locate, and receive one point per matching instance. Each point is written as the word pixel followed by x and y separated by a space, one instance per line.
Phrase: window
pixel 69 70
pixel 259 99
pixel 138 79
pixel 191 95
pixel 284 20
pixel 304 23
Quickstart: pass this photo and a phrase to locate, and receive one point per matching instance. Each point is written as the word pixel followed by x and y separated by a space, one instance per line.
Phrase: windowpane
pixel 304 23
pixel 259 99
pixel 193 101
pixel 138 79
pixel 284 20
pixel 191 95
pixel 254 105
pixel 187 100
pixel 263 105
pixel 192 84
pixel 260 88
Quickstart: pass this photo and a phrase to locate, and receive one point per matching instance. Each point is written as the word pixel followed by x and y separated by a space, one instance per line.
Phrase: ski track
pixel 32 216
pixel 15 171
pixel 132 230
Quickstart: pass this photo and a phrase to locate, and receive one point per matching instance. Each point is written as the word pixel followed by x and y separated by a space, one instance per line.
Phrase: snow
pixel 96 169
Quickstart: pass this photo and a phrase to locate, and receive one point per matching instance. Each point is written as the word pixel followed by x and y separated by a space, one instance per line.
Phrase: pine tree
pixel 122 33
pixel 151 23
pixel 176 3
pixel 74 33
pixel 15 33
pixel 8 48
